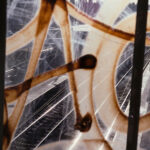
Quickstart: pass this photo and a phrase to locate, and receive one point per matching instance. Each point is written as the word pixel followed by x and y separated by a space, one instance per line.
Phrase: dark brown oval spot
pixel 84 124
pixel 87 61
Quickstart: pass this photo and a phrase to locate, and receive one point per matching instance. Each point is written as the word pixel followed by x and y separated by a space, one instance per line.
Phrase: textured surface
pixel 49 115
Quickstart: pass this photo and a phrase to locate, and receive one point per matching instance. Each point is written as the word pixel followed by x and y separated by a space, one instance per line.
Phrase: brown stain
pixel 83 124
pixel 44 17
pixel 99 25
pixel 88 62
pixel 121 116
pixel 108 146
pixel 41 31
pixel 84 62
pixel 11 47
pixel 12 93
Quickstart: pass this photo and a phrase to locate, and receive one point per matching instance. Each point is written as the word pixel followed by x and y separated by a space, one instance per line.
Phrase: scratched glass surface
pixel 84 106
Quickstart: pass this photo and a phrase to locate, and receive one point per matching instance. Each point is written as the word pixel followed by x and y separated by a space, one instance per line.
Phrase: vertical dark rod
pixel 138 61
pixel 2 62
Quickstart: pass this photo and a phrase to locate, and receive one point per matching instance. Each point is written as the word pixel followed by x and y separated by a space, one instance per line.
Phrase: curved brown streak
pixel 82 123
pixel 110 19
pixel 25 35
pixel 91 94
pixel 94 45
pixel 84 62
pixel 144 122
pixel 98 25
pixel 93 116
pixel 22 37
pixel 117 113
pixel 103 27
pixel 113 110
pixel 63 21
pixel 93 23
pixel 43 20
pixel 104 94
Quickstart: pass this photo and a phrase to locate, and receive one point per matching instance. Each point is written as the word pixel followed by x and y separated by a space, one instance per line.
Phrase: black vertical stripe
pixel 138 60
pixel 2 62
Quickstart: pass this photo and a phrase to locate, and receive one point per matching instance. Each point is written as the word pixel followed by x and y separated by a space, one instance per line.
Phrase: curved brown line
pixel 41 30
pixel 121 117
pixel 97 24
pixel 25 35
pixel 86 62
pixel 143 121
pixel 22 37
pixel 111 103
pixel 93 116
pixel 102 27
